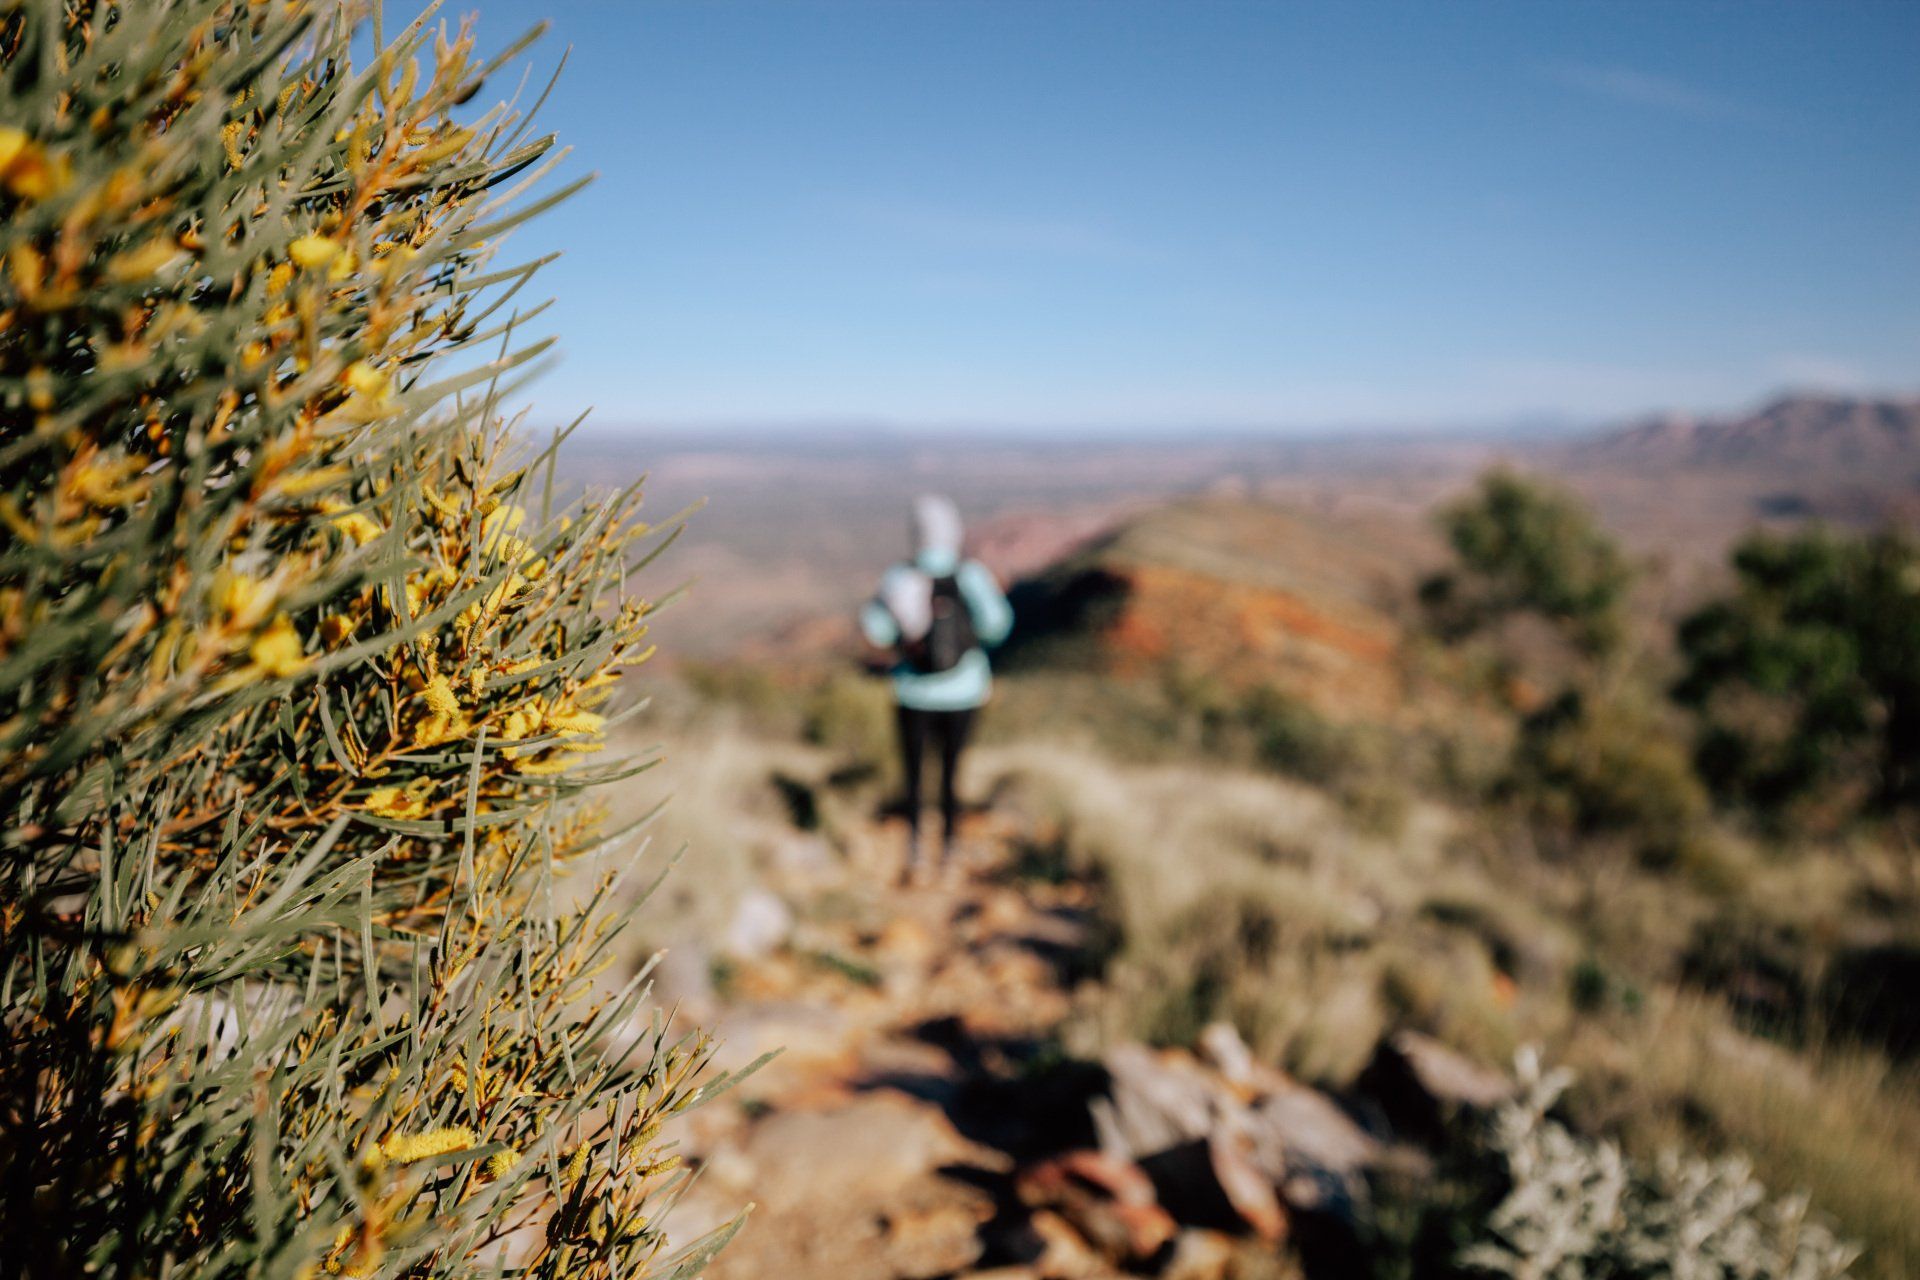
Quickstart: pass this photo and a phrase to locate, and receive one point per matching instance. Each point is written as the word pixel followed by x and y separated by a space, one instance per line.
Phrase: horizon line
pixel 1545 423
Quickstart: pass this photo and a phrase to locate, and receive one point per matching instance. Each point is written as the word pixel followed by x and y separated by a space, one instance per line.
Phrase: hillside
pixel 1242 592
pixel 948 1050
pixel 795 528
pixel 1225 780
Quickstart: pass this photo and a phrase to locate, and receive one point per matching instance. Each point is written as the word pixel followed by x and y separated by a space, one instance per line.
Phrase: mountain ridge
pixel 1249 592
pixel 1834 433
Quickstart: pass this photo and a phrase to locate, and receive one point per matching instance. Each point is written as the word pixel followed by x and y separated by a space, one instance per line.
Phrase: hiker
pixel 936 614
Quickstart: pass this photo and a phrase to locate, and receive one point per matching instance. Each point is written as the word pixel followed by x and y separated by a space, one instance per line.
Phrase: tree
pixel 298 683
pixel 1807 676
pixel 1524 547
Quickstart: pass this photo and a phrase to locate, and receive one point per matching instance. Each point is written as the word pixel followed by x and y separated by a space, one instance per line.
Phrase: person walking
pixel 936 614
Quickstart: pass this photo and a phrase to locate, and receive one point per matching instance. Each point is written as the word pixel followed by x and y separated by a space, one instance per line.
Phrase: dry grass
pixel 720 814
pixel 1247 896
pixel 1243 894
pixel 1840 1123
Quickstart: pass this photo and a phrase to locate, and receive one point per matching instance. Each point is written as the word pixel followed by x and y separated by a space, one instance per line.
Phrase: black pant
pixel 948 730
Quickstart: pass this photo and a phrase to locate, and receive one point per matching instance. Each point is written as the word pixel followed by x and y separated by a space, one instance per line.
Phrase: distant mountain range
pixel 1800 435
pixel 1682 487
pixel 797 528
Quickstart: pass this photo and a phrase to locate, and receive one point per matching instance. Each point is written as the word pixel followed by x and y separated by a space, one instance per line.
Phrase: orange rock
pixel 905 940
pixel 1107 1200
pixel 1505 990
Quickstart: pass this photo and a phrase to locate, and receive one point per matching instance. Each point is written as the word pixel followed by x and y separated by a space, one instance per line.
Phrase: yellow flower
pixel 114 483
pixel 508 547
pixel 572 720
pixel 357 526
pixel 497 535
pixel 335 628
pixel 498 598
pixel 13 143
pixel 501 520
pixel 138 264
pixel 501 1163
pixel 540 768
pixel 487 1082
pixel 519 723
pixel 243 598
pixel 367 380
pixel 301 483
pixel 666 1164
pixel 444 720
pixel 277 651
pixel 27 169
pixel 406 1148
pixel 313 251
pixel 403 803
pixel 440 697
pixel 448 511
pixel 230 135
pixel 28 268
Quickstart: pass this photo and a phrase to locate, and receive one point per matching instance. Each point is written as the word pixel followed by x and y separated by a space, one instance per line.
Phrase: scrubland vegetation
pixel 1554 847
pixel 299 678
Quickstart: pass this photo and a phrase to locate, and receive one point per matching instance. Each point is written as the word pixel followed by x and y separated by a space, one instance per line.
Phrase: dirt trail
pixel 923 1119
pixel 918 1073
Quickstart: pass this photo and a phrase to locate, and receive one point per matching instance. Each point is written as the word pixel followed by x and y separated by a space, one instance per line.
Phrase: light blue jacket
pixel 969 683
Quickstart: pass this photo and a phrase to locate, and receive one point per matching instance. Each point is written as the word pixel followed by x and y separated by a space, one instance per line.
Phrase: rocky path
pixel 922 1120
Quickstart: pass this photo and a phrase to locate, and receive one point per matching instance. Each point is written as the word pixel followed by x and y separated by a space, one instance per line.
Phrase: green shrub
pixel 1290 738
pixel 295 692
pixel 1524 547
pixel 1607 766
pixel 1806 676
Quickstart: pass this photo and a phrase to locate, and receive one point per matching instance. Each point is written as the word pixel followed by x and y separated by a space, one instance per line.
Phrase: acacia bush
pixel 299 677
pixel 1524 547
pixel 1806 677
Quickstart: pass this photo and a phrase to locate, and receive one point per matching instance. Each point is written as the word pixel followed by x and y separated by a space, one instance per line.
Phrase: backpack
pixel 950 634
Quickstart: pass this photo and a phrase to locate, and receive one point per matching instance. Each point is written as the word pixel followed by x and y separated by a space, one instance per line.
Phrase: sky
pixel 1058 215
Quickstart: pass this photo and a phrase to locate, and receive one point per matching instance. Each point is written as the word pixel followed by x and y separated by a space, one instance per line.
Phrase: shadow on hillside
pixel 1873 994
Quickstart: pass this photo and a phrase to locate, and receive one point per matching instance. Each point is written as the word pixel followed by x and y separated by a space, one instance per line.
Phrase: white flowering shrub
pixel 1578 1209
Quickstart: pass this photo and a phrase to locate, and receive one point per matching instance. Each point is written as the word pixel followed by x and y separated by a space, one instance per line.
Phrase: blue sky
pixel 1059 214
